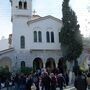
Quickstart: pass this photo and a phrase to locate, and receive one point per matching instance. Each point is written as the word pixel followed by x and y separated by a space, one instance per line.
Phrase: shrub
pixel 26 70
pixel 4 73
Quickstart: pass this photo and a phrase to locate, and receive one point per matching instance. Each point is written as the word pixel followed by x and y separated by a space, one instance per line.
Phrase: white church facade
pixel 34 40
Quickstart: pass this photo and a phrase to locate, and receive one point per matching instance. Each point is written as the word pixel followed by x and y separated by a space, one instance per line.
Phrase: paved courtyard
pixel 67 88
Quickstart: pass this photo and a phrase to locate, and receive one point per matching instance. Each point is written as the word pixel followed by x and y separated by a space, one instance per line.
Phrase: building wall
pixel 20 27
pixel 15 57
pixel 44 26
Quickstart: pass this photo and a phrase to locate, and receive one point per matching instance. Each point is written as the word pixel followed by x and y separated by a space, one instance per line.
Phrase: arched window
pixel 22 42
pixel 52 36
pixel 25 5
pixel 22 63
pixel 20 5
pixel 47 36
pixel 39 36
pixel 35 36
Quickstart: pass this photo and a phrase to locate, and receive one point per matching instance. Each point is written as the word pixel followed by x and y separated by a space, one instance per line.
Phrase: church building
pixel 34 41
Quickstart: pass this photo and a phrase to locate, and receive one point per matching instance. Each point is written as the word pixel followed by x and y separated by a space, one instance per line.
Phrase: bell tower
pixel 21 8
pixel 21 12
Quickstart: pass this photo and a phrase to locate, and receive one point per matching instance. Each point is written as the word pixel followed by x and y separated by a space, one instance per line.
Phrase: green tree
pixel 70 37
pixel 4 72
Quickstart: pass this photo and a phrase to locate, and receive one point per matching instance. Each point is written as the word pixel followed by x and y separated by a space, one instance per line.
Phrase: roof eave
pixel 43 18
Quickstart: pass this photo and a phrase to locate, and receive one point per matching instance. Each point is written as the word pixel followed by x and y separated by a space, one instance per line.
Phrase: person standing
pixel 80 82
pixel 66 76
pixel 0 83
pixel 60 81
pixel 88 80
pixel 36 81
pixel 29 82
pixel 22 82
pixel 46 81
pixel 53 82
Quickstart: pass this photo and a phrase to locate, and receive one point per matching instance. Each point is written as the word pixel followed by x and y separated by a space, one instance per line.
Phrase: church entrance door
pixel 37 64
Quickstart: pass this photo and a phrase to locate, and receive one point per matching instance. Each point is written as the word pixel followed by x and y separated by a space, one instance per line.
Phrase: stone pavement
pixel 67 88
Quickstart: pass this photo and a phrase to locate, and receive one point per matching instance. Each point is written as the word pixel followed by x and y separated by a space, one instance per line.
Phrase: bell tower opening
pixel 25 5
pixel 20 4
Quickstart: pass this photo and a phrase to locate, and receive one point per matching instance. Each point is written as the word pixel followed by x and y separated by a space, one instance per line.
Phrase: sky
pixel 46 7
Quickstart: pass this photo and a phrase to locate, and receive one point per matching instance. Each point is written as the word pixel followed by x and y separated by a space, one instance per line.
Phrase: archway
pixel 6 62
pixel 37 64
pixel 50 63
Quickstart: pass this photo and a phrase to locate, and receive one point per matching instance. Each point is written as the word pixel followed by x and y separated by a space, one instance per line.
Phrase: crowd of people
pixel 39 80
pixel 44 80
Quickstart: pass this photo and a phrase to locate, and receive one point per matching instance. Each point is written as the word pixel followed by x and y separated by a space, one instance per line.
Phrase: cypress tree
pixel 70 37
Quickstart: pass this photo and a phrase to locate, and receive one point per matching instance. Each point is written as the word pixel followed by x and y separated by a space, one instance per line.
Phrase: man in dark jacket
pixel 46 81
pixel 60 81
pixel 29 82
pixel 80 82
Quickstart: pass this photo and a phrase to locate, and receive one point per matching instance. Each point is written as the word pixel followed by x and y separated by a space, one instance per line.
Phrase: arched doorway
pixel 6 62
pixel 37 64
pixel 50 63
